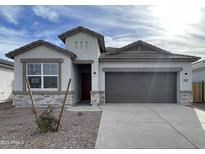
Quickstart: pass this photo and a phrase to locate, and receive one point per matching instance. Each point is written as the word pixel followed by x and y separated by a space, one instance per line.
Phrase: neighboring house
pixel 6 80
pixel 198 71
pixel 136 73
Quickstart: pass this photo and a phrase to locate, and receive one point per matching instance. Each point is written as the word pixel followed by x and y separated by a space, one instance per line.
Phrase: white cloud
pixel 11 13
pixel 10 44
pixel 11 39
pixel 46 12
pixel 53 13
pixel 118 41
pixel 17 38
pixel 11 32
pixel 175 28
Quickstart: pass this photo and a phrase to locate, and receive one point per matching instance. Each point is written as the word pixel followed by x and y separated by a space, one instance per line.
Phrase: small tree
pixel 47 122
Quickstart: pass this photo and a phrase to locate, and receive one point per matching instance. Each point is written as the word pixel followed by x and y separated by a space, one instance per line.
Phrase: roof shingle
pixel 78 29
pixel 34 44
pixel 142 50
pixel 6 62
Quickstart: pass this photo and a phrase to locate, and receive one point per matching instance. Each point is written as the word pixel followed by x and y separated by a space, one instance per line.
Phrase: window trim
pixel 42 60
pixel 42 75
pixel 39 75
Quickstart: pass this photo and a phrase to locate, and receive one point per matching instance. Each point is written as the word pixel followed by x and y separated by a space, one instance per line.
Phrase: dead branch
pixel 62 108
pixel 32 99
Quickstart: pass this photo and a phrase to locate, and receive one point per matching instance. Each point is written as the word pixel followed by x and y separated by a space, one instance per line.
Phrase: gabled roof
pixel 6 63
pixel 78 29
pixel 140 46
pixel 37 43
pixel 143 51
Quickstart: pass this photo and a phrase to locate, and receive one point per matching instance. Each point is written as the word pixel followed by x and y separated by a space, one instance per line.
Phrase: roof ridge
pixel 78 29
pixel 153 46
pixel 33 44
pixel 62 35
pixel 140 42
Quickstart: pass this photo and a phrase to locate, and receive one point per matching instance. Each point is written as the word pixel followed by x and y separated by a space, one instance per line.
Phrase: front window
pixel 42 75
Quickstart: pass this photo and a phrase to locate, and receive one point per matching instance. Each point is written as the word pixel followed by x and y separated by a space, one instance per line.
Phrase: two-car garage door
pixel 140 87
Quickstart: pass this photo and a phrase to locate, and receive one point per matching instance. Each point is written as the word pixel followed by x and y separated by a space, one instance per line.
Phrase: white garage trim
pixel 142 69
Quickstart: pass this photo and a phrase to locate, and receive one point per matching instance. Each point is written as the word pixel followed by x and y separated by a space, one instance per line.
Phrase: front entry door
pixel 85 86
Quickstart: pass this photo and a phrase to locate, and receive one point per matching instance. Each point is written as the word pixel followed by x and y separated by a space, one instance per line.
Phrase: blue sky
pixel 180 29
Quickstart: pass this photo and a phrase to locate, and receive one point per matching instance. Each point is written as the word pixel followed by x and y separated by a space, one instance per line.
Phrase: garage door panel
pixel 140 87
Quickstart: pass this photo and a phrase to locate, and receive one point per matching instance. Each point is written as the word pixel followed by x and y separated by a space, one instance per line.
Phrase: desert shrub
pixel 47 122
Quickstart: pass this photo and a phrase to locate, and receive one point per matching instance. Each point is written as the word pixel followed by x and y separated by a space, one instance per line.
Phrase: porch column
pixel 96 94
pixel 185 96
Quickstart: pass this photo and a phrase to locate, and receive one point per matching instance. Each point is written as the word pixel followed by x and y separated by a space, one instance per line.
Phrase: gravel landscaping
pixel 78 130
pixel 200 106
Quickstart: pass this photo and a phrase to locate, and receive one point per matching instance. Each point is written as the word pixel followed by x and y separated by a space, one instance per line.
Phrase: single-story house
pixel 136 73
pixel 6 80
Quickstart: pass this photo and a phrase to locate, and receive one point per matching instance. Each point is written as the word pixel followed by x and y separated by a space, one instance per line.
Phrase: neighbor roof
pixel 197 66
pixel 78 29
pixel 34 44
pixel 110 49
pixel 140 51
pixel 6 63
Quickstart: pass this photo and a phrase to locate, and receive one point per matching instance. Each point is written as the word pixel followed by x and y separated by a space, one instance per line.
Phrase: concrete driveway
pixel 151 126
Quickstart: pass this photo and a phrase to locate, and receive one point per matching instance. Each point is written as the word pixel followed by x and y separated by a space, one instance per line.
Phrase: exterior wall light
pixel 94 74
pixel 186 76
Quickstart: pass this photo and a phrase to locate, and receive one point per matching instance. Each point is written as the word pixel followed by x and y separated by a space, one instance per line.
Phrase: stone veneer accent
pixel 97 97
pixel 186 97
pixel 24 100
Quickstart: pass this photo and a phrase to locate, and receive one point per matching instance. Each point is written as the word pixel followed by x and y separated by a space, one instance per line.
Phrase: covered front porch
pixel 82 83
pixel 85 83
